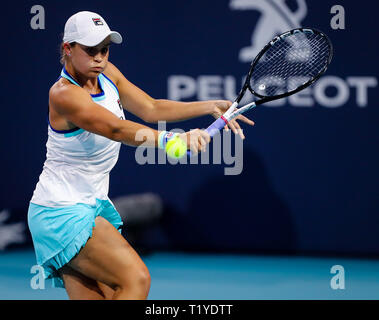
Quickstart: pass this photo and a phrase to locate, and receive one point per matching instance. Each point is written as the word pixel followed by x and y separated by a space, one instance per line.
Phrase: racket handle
pixel 215 127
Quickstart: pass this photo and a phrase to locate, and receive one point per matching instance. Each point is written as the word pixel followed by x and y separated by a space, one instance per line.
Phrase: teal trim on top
pixel 75 133
pixel 67 76
pixel 95 97
pixel 98 98
pixel 102 93
pixel 111 83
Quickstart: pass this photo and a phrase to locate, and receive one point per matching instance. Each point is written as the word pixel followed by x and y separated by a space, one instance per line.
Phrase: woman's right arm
pixel 76 106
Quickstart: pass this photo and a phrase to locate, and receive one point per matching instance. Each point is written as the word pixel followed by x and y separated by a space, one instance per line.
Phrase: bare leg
pixel 110 261
pixel 80 287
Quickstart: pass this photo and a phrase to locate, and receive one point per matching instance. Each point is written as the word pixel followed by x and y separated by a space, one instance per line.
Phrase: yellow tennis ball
pixel 176 148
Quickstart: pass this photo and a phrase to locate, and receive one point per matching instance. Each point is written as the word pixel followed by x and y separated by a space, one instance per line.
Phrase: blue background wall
pixel 310 177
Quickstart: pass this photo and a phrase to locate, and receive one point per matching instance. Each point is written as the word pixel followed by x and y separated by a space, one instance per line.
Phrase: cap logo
pixel 97 21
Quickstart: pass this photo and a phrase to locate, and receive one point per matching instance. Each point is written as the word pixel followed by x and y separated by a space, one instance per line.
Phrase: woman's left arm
pixel 153 110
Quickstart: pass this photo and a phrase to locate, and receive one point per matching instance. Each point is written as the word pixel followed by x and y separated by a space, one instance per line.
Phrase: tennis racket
pixel 288 64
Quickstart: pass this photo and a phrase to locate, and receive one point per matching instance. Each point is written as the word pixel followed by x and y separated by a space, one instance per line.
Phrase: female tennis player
pixel 74 225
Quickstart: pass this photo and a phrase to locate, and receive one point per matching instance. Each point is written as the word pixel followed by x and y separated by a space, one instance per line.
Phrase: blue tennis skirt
pixel 60 233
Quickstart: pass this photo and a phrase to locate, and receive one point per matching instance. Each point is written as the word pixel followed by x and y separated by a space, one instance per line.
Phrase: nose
pixel 98 57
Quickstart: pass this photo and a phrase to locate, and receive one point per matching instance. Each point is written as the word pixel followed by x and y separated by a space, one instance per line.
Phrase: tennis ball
pixel 176 148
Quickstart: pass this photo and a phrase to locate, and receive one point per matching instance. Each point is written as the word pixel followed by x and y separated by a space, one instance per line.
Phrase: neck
pixel 88 83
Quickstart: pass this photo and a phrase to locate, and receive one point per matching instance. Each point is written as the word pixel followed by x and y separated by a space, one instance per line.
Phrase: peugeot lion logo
pixel 276 17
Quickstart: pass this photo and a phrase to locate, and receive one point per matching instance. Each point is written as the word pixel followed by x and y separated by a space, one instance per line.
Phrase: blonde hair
pixel 63 56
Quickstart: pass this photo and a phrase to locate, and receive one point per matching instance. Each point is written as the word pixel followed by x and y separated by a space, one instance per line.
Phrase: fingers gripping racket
pixel 288 64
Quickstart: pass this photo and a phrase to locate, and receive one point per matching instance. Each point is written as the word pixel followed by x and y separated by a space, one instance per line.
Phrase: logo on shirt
pixel 119 104
pixel 97 21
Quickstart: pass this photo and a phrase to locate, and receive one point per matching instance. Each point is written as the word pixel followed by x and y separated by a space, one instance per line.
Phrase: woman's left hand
pixel 220 107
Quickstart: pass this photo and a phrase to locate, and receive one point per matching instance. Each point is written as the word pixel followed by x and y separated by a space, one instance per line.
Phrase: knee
pixel 144 279
pixel 137 279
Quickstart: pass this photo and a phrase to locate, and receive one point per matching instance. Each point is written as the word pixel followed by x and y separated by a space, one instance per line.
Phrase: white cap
pixel 89 29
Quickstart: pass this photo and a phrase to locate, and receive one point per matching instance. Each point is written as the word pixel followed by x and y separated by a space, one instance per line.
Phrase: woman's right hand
pixel 196 140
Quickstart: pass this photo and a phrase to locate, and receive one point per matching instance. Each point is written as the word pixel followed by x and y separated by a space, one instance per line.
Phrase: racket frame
pixel 233 111
pixel 280 37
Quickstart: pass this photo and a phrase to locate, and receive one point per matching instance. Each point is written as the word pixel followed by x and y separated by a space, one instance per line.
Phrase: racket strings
pixel 299 58
pixel 289 63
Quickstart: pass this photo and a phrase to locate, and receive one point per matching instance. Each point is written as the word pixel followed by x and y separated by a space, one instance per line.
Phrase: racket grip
pixel 215 127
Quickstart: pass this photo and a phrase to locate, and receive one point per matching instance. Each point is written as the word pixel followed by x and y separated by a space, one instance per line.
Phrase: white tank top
pixel 78 162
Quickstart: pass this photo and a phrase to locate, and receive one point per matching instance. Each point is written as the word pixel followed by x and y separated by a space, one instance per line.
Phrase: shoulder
pixel 64 94
pixel 62 88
